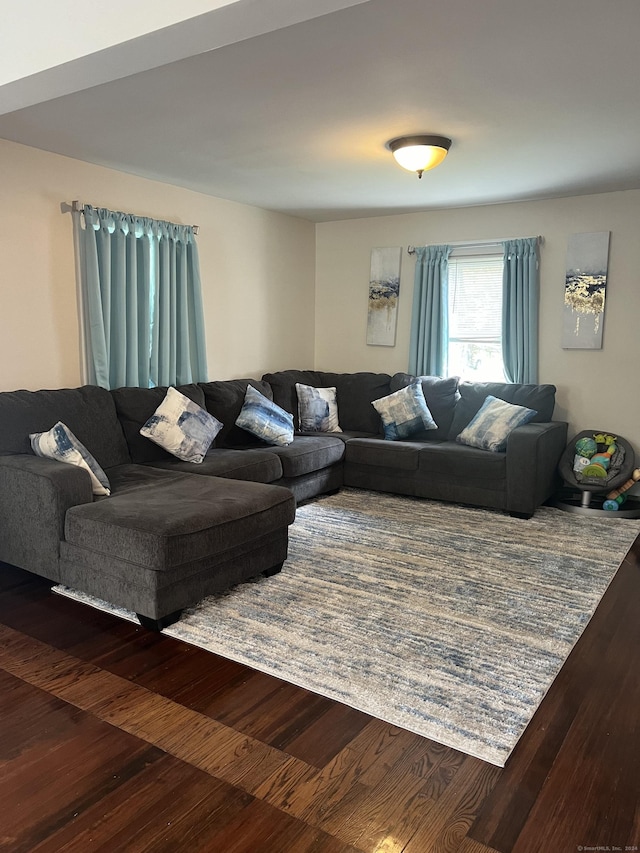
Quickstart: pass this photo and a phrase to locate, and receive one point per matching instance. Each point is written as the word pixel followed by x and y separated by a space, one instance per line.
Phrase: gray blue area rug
pixel 449 621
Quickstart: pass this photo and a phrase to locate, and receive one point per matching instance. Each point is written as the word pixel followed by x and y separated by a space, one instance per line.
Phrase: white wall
pixel 257 270
pixel 597 389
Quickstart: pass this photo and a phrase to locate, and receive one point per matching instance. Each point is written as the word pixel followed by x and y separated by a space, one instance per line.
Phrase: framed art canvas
pixel 384 290
pixel 585 290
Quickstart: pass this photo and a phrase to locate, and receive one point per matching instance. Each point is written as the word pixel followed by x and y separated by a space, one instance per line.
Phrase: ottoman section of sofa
pixel 157 550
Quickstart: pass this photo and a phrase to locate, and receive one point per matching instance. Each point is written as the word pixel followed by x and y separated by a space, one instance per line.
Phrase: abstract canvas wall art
pixel 384 290
pixel 585 290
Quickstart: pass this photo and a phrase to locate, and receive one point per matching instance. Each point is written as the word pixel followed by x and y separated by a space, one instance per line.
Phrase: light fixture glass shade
pixel 419 153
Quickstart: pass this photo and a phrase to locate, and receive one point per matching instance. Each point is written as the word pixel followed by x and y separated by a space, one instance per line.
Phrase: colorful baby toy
pixel 617 497
pixel 593 455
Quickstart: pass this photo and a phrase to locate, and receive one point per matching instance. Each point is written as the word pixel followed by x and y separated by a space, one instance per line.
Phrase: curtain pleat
pixel 195 314
pixel 520 293
pixel 429 319
pixel 142 301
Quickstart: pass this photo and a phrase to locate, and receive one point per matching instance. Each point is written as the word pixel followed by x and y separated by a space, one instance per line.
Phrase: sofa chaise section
pixel 165 540
pixel 159 542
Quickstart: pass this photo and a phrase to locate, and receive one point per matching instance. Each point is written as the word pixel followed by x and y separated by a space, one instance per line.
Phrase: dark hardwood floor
pixel 116 739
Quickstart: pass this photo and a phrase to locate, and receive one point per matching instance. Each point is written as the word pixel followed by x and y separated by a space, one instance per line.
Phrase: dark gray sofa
pixel 172 531
pixel 433 465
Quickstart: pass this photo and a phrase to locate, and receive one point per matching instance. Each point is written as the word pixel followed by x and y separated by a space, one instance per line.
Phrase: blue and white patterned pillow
pixel 317 409
pixel 182 427
pixel 264 419
pixel 61 444
pixel 492 425
pixel 405 412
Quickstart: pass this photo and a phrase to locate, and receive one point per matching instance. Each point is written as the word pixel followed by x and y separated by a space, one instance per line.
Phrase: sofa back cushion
pixel 224 400
pixel 473 394
pixel 354 391
pixel 441 396
pixel 89 412
pixel 135 406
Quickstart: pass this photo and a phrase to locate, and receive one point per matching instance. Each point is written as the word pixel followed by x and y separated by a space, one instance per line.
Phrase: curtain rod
pixel 477 243
pixel 78 207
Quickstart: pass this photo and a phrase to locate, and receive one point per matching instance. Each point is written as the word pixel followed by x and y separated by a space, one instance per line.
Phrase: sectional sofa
pixel 173 531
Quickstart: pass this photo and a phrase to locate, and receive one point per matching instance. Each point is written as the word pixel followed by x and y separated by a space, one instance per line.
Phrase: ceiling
pixel 541 99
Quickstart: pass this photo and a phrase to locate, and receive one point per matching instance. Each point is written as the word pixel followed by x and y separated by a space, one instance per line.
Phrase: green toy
pixel 604 438
pixel 586 446
pixel 600 463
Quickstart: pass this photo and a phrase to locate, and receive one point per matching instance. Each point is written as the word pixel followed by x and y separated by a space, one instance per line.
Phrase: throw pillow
pixel 61 444
pixel 317 409
pixel 441 396
pixel 182 427
pixel 496 420
pixel 473 394
pixel 405 412
pixel 264 419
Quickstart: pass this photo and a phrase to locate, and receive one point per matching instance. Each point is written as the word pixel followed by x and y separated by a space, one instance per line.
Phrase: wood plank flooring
pixel 116 739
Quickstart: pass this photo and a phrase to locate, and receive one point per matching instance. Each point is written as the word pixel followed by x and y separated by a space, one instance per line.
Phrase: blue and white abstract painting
pixel 384 291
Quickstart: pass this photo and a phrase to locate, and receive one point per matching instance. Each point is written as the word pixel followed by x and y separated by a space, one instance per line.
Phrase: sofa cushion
pixel 309 453
pixel 473 394
pixel 130 478
pixel 89 412
pixel 182 427
pixel 404 413
pixel 171 519
pixel 493 424
pixel 441 396
pixel 317 409
pixel 60 443
pixel 379 453
pixel 257 465
pixel 135 406
pixel 355 393
pixel 460 463
pixel 265 419
pixel 224 399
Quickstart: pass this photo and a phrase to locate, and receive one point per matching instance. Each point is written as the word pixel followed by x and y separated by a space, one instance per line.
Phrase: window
pixel 475 313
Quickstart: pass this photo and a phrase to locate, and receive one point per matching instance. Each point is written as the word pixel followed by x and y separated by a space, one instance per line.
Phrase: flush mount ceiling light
pixel 419 153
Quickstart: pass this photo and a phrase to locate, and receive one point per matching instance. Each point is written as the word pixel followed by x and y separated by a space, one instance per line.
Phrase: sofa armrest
pixel 533 453
pixel 35 494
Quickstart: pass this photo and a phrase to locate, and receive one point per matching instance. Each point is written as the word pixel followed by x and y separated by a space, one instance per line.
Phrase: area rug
pixel 448 621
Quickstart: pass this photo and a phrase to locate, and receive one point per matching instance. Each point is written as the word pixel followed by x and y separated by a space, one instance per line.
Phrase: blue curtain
pixel 429 319
pixel 142 301
pixel 520 289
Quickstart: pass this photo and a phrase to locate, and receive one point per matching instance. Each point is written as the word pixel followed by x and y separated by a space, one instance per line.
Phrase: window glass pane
pixel 476 362
pixel 475 318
